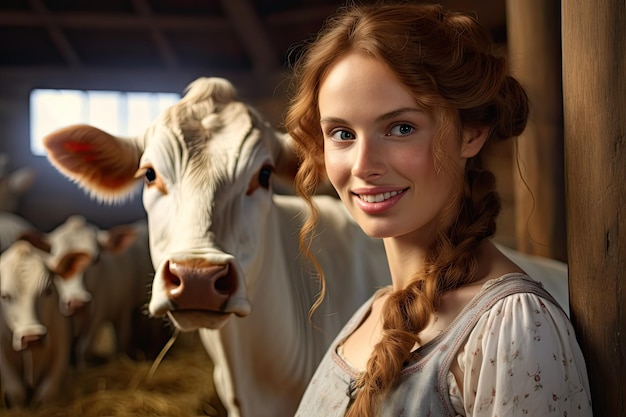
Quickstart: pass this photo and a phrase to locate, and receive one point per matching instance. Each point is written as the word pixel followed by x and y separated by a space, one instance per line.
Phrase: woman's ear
pixel 473 140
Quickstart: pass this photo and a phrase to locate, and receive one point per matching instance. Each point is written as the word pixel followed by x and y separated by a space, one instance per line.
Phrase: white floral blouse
pixel 524 358
pixel 520 359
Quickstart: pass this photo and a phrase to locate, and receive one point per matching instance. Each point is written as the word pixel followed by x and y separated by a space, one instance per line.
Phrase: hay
pixel 181 385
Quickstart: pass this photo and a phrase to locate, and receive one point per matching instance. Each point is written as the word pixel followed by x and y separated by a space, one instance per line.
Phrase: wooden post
pixel 594 104
pixel 534 46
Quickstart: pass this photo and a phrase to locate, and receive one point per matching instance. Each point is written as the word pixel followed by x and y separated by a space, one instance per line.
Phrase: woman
pixel 395 105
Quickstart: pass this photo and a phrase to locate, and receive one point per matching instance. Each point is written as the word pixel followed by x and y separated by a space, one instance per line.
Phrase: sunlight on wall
pixel 116 112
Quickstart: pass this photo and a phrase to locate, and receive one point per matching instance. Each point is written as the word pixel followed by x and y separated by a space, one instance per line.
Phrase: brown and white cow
pixel 34 335
pixel 224 244
pixel 110 284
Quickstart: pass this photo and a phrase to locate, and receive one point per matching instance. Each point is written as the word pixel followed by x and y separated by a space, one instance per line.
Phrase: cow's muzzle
pixel 199 286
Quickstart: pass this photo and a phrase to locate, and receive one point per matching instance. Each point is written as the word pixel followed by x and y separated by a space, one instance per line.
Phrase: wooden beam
pixel 249 84
pixel 534 46
pixel 301 15
pixel 113 21
pixel 594 98
pixel 252 34
pixel 57 36
pixel 163 46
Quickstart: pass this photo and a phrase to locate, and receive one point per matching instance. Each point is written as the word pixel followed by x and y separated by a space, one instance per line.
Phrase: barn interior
pixel 162 46
pixel 158 46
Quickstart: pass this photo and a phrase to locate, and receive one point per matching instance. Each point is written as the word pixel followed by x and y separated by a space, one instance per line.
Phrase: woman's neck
pixel 405 260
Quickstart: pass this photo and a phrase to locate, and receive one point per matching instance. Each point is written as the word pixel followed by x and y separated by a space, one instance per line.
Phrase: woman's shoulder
pixel 528 341
pixel 519 303
pixel 515 284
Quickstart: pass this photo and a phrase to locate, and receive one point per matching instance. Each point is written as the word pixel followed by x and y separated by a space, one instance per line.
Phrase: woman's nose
pixel 368 159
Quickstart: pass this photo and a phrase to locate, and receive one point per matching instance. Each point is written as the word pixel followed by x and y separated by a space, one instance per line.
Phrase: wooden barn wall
pixel 534 44
pixel 594 98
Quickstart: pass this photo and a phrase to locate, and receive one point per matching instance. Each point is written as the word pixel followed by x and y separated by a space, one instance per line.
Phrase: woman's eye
pixel 402 130
pixel 150 175
pixel 341 135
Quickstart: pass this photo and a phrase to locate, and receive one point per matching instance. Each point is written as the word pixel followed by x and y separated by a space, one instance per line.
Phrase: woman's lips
pixel 374 203
pixel 377 198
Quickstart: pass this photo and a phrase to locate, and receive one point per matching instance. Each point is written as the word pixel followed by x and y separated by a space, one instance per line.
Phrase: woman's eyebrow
pixel 399 112
pixel 391 115
pixel 332 120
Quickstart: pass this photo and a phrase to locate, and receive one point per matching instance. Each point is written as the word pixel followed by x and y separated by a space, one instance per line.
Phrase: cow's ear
pixel 101 163
pixel 117 238
pixel 69 264
pixel 286 160
pixel 36 239
pixel 288 163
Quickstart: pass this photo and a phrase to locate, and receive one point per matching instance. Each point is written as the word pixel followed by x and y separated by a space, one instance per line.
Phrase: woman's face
pixel 378 151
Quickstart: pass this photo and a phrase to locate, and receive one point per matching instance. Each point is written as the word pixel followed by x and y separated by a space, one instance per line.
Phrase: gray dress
pixel 422 389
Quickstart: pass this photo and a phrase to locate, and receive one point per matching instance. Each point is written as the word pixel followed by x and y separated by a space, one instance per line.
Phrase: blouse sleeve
pixel 522 358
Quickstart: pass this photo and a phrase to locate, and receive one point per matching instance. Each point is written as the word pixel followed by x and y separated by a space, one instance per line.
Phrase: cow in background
pixel 34 336
pixel 108 285
pixel 224 244
pixel 12 227
pixel 13 184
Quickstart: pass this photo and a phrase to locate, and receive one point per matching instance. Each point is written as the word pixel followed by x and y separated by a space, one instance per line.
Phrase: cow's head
pixel 27 293
pixel 206 164
pixel 82 242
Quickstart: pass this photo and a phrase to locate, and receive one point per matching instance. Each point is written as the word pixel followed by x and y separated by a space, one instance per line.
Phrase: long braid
pixel 451 263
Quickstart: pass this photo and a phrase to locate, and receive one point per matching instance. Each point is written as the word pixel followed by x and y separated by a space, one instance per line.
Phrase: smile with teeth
pixel 377 198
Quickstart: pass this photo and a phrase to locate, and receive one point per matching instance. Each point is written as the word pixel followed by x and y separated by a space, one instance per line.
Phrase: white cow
pixel 224 244
pixel 34 336
pixel 110 283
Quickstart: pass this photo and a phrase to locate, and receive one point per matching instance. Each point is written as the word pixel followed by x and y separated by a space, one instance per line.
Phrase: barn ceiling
pixel 224 36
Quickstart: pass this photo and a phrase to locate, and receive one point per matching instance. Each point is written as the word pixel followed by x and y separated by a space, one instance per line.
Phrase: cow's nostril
pixel 30 339
pixel 75 305
pixel 172 281
pixel 227 284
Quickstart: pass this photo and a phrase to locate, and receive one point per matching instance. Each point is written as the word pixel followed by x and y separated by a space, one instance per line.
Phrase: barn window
pixel 117 112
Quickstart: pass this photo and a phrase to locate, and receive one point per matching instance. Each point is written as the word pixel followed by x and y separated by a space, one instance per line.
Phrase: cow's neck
pixel 277 329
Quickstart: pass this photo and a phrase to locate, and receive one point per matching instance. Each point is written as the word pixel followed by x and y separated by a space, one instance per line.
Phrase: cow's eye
pixel 5 297
pixel 261 179
pixel 150 175
pixel 151 179
pixel 264 176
